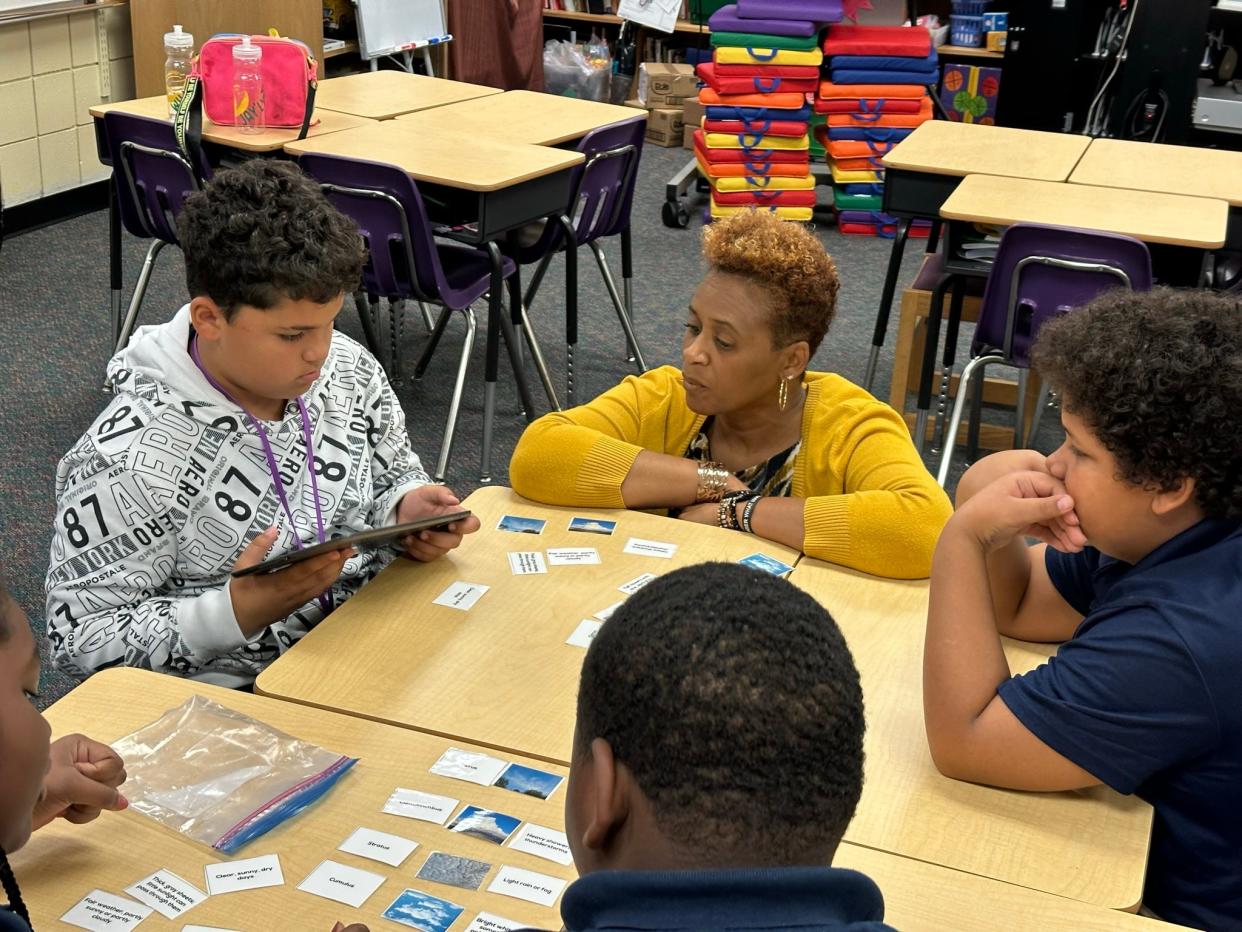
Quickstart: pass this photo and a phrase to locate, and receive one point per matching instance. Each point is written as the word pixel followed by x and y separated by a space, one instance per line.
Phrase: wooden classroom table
pixel 500 674
pixel 523 116
pixel 270 140
pixel 923 169
pixel 64 862
pixel 1089 846
pixel 382 95
pixel 1172 219
pixel 1192 170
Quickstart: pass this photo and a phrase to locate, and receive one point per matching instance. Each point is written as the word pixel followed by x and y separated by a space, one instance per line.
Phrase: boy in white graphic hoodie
pixel 244 425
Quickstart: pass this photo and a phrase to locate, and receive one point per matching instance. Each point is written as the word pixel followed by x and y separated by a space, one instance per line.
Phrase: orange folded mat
pixel 872 164
pixel 710 98
pixel 873 91
pixel 884 119
pixel 856 148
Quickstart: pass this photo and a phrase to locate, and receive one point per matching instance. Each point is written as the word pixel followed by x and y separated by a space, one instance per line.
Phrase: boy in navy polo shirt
pixel 1138 572
pixel 717 761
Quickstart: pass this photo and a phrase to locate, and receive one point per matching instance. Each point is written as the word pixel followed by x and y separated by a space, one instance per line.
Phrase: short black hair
pixel 1157 377
pixel 264 232
pixel 732 697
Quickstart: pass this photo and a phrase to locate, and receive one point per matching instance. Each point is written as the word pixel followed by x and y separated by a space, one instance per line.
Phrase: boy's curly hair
pixel 264 232
pixel 788 262
pixel 1157 376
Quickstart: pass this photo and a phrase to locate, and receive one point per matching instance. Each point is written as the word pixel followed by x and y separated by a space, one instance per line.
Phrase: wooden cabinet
pixel 150 19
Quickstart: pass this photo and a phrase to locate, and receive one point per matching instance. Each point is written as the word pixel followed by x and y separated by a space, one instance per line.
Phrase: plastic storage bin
pixel 970 7
pixel 966 31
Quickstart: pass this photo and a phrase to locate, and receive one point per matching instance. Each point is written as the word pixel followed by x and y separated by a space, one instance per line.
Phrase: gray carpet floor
pixel 54 306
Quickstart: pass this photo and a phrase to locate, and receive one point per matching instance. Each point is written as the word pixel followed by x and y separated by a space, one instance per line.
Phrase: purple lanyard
pixel 273 467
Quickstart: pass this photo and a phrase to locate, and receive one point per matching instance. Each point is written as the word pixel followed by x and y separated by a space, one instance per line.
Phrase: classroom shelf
pixel 45 10
pixel 683 25
pixel 349 46
pixel 966 51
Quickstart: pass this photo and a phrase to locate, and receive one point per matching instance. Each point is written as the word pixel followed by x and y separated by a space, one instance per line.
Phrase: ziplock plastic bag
pixel 571 70
pixel 221 777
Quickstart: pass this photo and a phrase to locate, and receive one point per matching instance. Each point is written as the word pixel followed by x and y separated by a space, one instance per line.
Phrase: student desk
pixel 382 95
pixel 63 862
pixel 925 167
pixel 268 141
pixel 1141 166
pixel 1089 846
pixel 500 674
pixel 1195 223
pixel 523 116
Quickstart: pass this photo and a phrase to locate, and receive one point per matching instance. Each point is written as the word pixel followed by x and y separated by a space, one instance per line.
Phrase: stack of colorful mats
pixel 874 96
pixel 753 144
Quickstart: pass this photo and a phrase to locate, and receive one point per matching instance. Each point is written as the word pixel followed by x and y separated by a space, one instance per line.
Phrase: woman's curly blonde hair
pixel 788 262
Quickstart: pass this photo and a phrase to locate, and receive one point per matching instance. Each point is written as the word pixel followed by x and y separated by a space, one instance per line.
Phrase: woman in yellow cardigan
pixel 742 436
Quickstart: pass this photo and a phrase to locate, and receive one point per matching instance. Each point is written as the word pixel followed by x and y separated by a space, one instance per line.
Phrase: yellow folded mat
pixel 785 213
pixel 731 55
pixel 754 141
pixel 854 177
pixel 768 183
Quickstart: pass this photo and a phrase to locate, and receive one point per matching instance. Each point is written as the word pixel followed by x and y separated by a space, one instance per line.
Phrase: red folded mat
pixel 881 91
pixel 781 101
pixel 756 70
pixel 729 84
pixel 765 198
pixel 884 119
pixel 740 170
pixel 754 156
pixel 867 105
pixel 907 41
pixel 760 127
pixel 872 164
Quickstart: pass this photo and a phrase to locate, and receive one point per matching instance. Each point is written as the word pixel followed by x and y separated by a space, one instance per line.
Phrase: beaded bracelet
pixel 726 515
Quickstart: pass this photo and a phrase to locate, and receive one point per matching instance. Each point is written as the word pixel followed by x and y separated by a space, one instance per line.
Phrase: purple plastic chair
pixel 1040 272
pixel 603 191
pixel 153 178
pixel 405 261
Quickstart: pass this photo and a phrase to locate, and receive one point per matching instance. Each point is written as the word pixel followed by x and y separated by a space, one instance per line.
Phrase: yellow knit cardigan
pixel 870 503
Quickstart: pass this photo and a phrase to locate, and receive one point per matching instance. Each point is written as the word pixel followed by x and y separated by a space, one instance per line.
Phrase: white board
pixel 384 26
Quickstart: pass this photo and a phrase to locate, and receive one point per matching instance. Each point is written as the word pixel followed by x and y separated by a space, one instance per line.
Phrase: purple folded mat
pixel 726 20
pixel 818 11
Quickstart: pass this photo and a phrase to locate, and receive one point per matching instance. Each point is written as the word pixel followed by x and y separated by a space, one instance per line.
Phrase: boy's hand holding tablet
pixel 428 501
pixel 262 598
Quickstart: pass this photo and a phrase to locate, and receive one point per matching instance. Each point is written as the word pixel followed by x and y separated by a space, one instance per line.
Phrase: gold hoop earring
pixel 782 394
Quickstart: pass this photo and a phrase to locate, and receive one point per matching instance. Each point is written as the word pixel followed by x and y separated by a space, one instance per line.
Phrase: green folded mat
pixel 816 148
pixel 752 40
pixel 843 201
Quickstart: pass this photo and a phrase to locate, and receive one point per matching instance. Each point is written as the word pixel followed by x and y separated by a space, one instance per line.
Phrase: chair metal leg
pixel 976 413
pixel 536 354
pixel 428 321
pixel 420 367
pixel 886 300
pixel 114 258
pixel 622 315
pixel 463 365
pixel 955 422
pixel 512 346
pixel 135 302
pixel 1040 404
pixel 396 314
pixel 1019 436
pixel 495 311
pixel 536 280
pixel 950 358
pixel 627 283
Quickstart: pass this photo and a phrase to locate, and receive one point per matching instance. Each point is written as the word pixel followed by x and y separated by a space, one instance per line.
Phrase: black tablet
pixel 363 540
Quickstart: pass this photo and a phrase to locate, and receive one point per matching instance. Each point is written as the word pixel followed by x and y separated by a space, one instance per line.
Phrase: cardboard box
pixel 665 86
pixel 996 41
pixel 664 127
pixel 692 119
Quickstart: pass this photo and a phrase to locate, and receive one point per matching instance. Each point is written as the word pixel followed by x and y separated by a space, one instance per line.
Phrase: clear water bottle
pixel 247 87
pixel 179 49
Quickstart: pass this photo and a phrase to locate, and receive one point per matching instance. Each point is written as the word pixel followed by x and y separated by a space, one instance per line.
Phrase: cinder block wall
pixel 51 71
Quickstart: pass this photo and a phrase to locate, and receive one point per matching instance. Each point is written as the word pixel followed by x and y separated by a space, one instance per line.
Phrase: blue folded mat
pixel 860 76
pixel 869 134
pixel 757 113
pixel 884 62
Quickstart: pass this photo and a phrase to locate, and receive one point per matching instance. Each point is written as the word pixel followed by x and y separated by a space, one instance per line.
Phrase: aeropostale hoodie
pixel 156 501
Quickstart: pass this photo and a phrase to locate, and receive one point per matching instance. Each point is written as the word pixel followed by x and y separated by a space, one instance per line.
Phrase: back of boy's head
pixel 1157 377
pixel 264 232
pixel 732 698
